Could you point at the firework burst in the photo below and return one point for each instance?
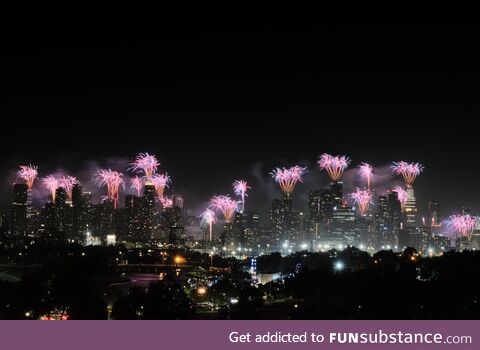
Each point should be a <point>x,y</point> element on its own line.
<point>240,188</point>
<point>226,205</point>
<point>462,225</point>
<point>288,178</point>
<point>160,181</point>
<point>208,218</point>
<point>366,171</point>
<point>67,182</point>
<point>402,195</point>
<point>112,180</point>
<point>363,199</point>
<point>136,185</point>
<point>409,171</point>
<point>334,165</point>
<point>28,173</point>
<point>51,183</point>
<point>145,163</point>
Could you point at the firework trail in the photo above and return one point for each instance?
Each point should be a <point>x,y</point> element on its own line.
<point>288,178</point>
<point>28,173</point>
<point>145,163</point>
<point>160,181</point>
<point>136,185</point>
<point>67,182</point>
<point>366,171</point>
<point>402,196</point>
<point>51,183</point>
<point>112,179</point>
<point>240,188</point>
<point>208,218</point>
<point>334,165</point>
<point>226,205</point>
<point>409,171</point>
<point>363,199</point>
<point>462,225</point>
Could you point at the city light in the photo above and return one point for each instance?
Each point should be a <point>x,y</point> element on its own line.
<point>339,265</point>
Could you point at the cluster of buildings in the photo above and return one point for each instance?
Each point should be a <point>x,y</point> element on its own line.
<point>329,222</point>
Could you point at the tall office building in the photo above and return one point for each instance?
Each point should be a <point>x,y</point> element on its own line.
<point>433,214</point>
<point>344,227</point>
<point>326,204</point>
<point>336,189</point>
<point>19,210</point>
<point>147,213</point>
<point>411,209</point>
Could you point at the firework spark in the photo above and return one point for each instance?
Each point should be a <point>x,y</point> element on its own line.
<point>363,199</point>
<point>208,218</point>
<point>288,178</point>
<point>146,163</point>
<point>51,183</point>
<point>136,185</point>
<point>169,202</point>
<point>334,165</point>
<point>67,182</point>
<point>366,171</point>
<point>160,181</point>
<point>226,205</point>
<point>112,179</point>
<point>28,173</point>
<point>240,188</point>
<point>409,171</point>
<point>402,195</point>
<point>462,225</point>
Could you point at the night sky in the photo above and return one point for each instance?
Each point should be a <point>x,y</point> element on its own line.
<point>216,107</point>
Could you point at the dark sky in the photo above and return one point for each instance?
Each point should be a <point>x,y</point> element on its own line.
<point>219,106</point>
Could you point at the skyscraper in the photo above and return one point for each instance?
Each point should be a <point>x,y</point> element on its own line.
<point>433,214</point>
<point>19,209</point>
<point>336,189</point>
<point>411,209</point>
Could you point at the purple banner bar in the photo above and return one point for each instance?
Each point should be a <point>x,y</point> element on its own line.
<point>213,335</point>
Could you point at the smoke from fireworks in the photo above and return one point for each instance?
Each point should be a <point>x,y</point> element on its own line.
<point>208,218</point>
<point>288,178</point>
<point>363,199</point>
<point>334,165</point>
<point>366,171</point>
<point>240,188</point>
<point>462,225</point>
<point>136,185</point>
<point>409,171</point>
<point>51,183</point>
<point>67,182</point>
<point>112,179</point>
<point>28,173</point>
<point>226,205</point>
<point>146,163</point>
<point>160,181</point>
<point>402,195</point>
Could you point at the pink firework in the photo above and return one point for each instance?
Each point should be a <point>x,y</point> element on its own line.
<point>28,173</point>
<point>363,199</point>
<point>51,183</point>
<point>240,188</point>
<point>146,163</point>
<point>112,179</point>
<point>226,205</point>
<point>334,165</point>
<point>167,202</point>
<point>208,218</point>
<point>402,195</point>
<point>462,225</point>
<point>409,171</point>
<point>288,178</point>
<point>67,182</point>
<point>366,171</point>
<point>136,185</point>
<point>160,181</point>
